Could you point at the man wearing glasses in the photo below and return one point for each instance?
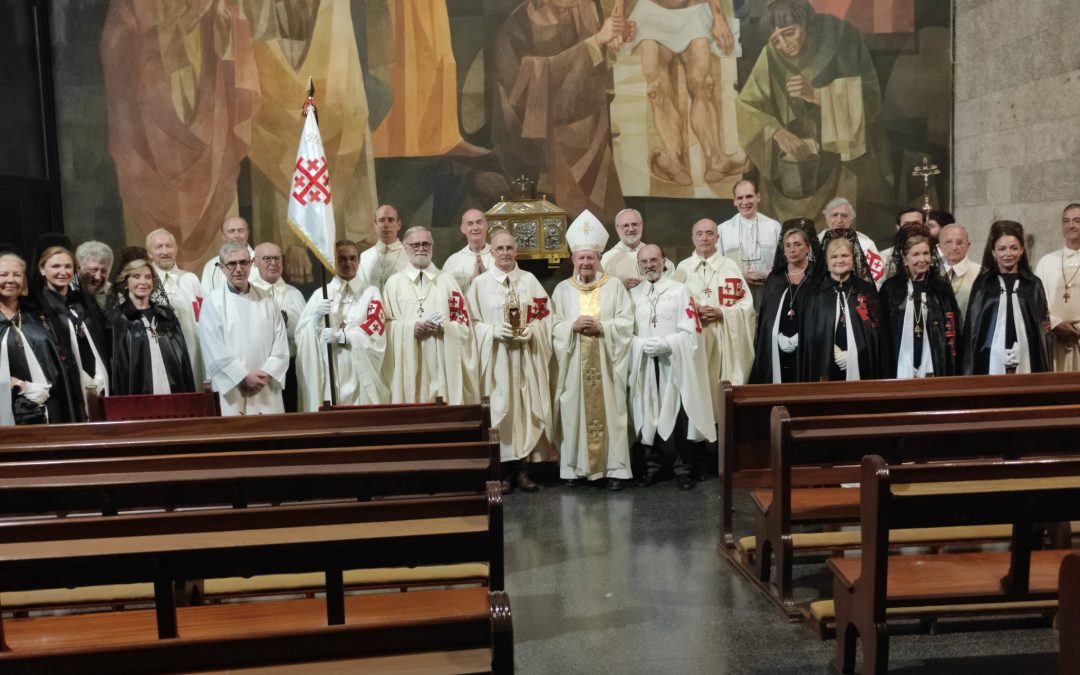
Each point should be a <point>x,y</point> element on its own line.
<point>243,338</point>
<point>430,331</point>
<point>290,302</point>
<point>233,229</point>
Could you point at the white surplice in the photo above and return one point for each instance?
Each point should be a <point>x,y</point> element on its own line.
<point>515,374</point>
<point>186,298</point>
<point>590,416</point>
<point>380,262</point>
<point>621,261</point>
<point>729,344</point>
<point>666,310</point>
<point>356,308</point>
<point>1056,270</point>
<point>462,264</point>
<point>444,365</point>
<point>212,277</point>
<point>240,333</point>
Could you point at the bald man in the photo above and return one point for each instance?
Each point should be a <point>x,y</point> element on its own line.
<point>475,259</point>
<point>387,256</point>
<point>184,292</point>
<point>289,300</point>
<point>233,229</point>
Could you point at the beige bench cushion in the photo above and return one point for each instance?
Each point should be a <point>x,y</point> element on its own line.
<point>923,535</point>
<point>825,610</point>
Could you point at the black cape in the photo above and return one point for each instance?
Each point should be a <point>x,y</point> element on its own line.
<point>942,321</point>
<point>982,318</point>
<point>132,372</point>
<point>37,331</point>
<point>817,320</point>
<point>59,309</point>
<point>772,296</point>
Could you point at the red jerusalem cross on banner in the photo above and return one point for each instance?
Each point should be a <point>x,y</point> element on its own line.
<point>311,181</point>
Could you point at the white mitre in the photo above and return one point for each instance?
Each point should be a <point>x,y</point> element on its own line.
<point>586,233</point>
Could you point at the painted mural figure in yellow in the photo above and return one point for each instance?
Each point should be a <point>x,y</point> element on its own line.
<point>423,119</point>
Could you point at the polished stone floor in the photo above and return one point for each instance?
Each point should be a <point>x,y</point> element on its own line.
<point>631,582</point>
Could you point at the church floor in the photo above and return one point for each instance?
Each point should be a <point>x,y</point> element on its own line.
<point>631,582</point>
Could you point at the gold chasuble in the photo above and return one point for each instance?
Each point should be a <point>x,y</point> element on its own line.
<point>589,303</point>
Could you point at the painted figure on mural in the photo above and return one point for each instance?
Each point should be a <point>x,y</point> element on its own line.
<point>810,114</point>
<point>551,121</point>
<point>685,35</point>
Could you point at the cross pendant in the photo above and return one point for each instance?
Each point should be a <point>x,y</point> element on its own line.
<point>1066,295</point>
<point>654,322</point>
<point>420,309</point>
<point>153,335</point>
<point>342,325</point>
<point>918,332</point>
<point>708,292</point>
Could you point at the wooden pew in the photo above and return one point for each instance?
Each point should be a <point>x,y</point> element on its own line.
<point>743,414</point>
<point>204,403</point>
<point>1068,615</point>
<point>813,456</point>
<point>370,426</point>
<point>162,548</point>
<point>1024,494</point>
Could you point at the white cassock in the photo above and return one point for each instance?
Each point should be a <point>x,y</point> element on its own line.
<point>590,417</point>
<point>621,261</point>
<point>290,300</point>
<point>239,333</point>
<point>962,277</point>
<point>213,279</point>
<point>875,261</point>
<point>462,264</point>
<point>729,344</point>
<point>752,243</point>
<point>356,308</point>
<point>1060,275</point>
<point>666,310</point>
<point>446,365</point>
<point>380,262</point>
<point>186,299</point>
<point>515,374</point>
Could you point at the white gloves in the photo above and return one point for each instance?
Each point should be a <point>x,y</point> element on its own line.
<point>839,357</point>
<point>787,344</point>
<point>332,336</point>
<point>437,319</point>
<point>525,335</point>
<point>322,309</point>
<point>656,347</point>
<point>1012,357</point>
<point>504,332</point>
<point>99,382</point>
<point>38,393</point>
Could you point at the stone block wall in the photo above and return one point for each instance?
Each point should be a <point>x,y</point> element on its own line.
<point>1017,117</point>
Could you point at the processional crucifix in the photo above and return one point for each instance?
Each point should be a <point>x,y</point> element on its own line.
<point>925,170</point>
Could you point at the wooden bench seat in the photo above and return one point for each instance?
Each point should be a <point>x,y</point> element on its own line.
<point>1026,494</point>
<point>822,613</point>
<point>812,457</point>
<point>254,633</point>
<point>743,415</point>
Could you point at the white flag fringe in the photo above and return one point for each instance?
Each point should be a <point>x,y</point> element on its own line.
<point>311,215</point>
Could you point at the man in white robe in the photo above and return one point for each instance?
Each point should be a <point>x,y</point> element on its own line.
<point>185,294</point>
<point>960,270</point>
<point>594,324</point>
<point>290,302</point>
<point>357,338</point>
<point>243,339</point>
<point>431,341</point>
<point>476,258</point>
<point>724,306</point>
<point>387,256</point>
<point>514,364</point>
<point>1058,272</point>
<point>749,238</point>
<point>904,218</point>
<point>620,261</point>
<point>840,214</point>
<point>670,401</point>
<point>234,229</point>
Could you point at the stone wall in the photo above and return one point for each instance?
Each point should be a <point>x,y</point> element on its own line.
<point>1017,117</point>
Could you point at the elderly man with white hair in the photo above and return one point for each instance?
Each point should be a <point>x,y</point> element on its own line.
<point>94,260</point>
<point>184,292</point>
<point>957,267</point>
<point>620,261</point>
<point>840,215</point>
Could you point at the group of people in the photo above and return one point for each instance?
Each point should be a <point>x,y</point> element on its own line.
<point>630,350</point>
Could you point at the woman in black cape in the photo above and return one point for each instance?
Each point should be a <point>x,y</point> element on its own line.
<point>795,265</point>
<point>920,309</point>
<point>149,352</point>
<point>1017,339</point>
<point>841,332</point>
<point>33,391</point>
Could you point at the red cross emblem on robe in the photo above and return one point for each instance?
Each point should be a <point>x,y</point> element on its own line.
<point>537,310</point>
<point>458,311</point>
<point>876,265</point>
<point>691,311</point>
<point>374,323</point>
<point>731,291</point>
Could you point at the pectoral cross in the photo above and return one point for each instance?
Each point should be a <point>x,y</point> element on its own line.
<point>1066,295</point>
<point>708,293</point>
<point>918,332</point>
<point>653,321</point>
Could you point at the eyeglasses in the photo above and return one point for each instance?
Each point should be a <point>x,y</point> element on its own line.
<point>268,259</point>
<point>231,266</point>
<point>423,245</point>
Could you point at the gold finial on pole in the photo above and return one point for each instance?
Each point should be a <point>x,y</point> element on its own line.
<point>925,170</point>
<point>310,88</point>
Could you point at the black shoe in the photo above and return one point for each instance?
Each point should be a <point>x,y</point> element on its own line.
<point>685,482</point>
<point>648,480</point>
<point>507,487</point>
<point>615,484</point>
<point>525,483</point>
<point>700,474</point>
<point>573,482</point>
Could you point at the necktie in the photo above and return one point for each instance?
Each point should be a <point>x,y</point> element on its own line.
<point>952,275</point>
